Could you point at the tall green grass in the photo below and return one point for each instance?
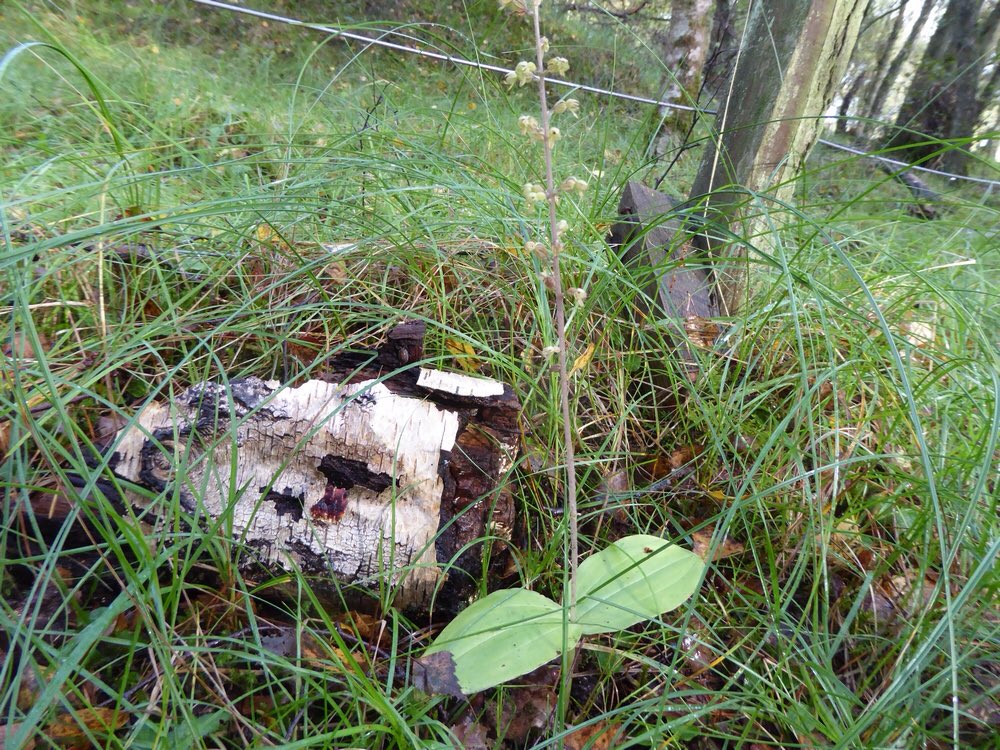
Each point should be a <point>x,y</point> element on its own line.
<point>167,218</point>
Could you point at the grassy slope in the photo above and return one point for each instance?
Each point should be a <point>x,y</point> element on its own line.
<point>845,431</point>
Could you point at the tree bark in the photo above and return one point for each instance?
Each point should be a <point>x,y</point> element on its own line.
<point>723,49</point>
<point>943,100</point>
<point>990,91</point>
<point>383,479</point>
<point>683,50</point>
<point>876,106</point>
<point>844,126</point>
<point>885,54</point>
<point>793,63</point>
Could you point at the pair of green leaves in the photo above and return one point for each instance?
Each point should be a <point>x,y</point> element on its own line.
<point>511,632</point>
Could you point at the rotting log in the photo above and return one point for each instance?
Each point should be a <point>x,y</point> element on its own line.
<point>385,475</point>
<point>658,245</point>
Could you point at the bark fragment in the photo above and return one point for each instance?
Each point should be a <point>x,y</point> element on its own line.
<point>381,477</point>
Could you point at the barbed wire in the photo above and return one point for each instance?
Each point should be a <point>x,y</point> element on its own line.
<point>379,41</point>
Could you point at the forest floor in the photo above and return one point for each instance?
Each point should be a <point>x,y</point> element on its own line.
<point>172,181</point>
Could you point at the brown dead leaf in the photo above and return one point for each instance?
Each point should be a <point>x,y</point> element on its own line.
<point>107,428</point>
<point>530,709</point>
<point>615,483</point>
<point>366,627</point>
<point>471,734</point>
<point>699,660</point>
<point>316,653</point>
<point>51,503</point>
<point>336,272</point>
<point>268,235</point>
<point>584,359</point>
<point>597,736</point>
<point>681,458</point>
<point>702,546</point>
<point>71,730</point>
<point>702,332</point>
<point>910,591</point>
<point>465,355</point>
<point>435,675</point>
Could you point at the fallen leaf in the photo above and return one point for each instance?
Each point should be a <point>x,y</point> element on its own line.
<point>107,428</point>
<point>597,736</point>
<point>434,674</point>
<point>72,730</point>
<point>470,733</point>
<point>584,359</point>
<point>682,458</point>
<point>530,709</point>
<point>464,354</point>
<point>366,627</point>
<point>702,546</point>
<point>699,659</point>
<point>910,591</point>
<point>702,332</point>
<point>335,272</point>
<point>613,484</point>
<point>264,232</point>
<point>918,333</point>
<point>19,346</point>
<point>290,644</point>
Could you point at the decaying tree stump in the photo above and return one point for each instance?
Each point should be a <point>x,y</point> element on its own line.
<point>384,474</point>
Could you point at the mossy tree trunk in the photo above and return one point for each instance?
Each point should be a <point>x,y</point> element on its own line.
<point>943,100</point>
<point>683,51</point>
<point>890,76</point>
<point>790,67</point>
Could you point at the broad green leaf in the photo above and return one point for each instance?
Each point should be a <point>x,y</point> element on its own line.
<point>504,635</point>
<point>637,578</point>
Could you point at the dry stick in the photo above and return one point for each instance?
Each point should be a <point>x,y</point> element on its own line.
<point>560,299</point>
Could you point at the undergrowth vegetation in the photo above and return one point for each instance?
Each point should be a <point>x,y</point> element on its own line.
<point>185,197</point>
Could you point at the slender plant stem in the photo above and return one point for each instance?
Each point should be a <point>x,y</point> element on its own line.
<point>560,304</point>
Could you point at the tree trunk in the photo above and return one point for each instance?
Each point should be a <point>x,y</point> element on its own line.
<point>858,73</point>
<point>723,49</point>
<point>386,479</point>
<point>885,54</point>
<point>876,106</point>
<point>844,127</point>
<point>988,40</point>
<point>991,90</point>
<point>785,78</point>
<point>683,50</point>
<point>942,102</point>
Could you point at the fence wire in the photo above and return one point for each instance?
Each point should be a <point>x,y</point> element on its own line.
<point>381,41</point>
